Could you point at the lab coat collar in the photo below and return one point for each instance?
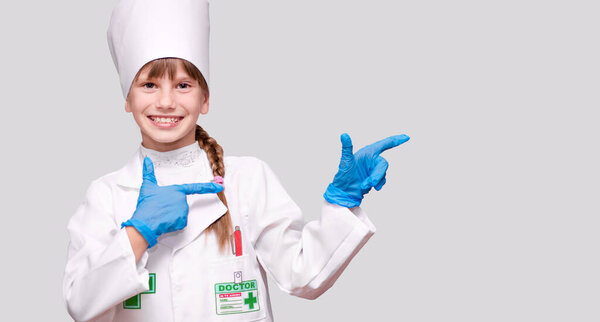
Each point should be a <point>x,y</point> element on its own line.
<point>204,209</point>
<point>130,176</point>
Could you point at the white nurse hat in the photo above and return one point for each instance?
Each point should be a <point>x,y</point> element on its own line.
<point>144,30</point>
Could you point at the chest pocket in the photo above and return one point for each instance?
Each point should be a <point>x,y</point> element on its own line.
<point>237,289</point>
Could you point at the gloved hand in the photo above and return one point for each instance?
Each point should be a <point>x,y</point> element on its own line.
<point>361,171</point>
<point>163,209</point>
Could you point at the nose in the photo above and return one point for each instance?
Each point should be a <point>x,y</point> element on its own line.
<point>166,99</point>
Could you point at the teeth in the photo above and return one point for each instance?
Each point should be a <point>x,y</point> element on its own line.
<point>165,119</point>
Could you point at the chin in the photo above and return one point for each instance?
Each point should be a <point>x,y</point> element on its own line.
<point>170,136</point>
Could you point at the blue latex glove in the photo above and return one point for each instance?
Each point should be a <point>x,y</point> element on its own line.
<point>163,209</point>
<point>361,171</point>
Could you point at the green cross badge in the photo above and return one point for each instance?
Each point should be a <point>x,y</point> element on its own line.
<point>135,302</point>
<point>250,300</point>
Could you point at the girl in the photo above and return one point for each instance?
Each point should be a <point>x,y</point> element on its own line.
<point>157,240</point>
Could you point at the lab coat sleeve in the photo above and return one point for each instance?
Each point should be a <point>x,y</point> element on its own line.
<point>101,270</point>
<point>304,259</point>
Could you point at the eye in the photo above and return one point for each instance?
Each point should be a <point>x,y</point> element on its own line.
<point>148,85</point>
<point>185,85</point>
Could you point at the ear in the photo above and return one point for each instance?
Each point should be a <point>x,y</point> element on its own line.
<point>127,108</point>
<point>204,107</point>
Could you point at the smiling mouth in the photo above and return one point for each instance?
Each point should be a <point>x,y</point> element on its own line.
<point>165,122</point>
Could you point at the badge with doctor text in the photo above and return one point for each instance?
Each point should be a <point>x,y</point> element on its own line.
<point>235,298</point>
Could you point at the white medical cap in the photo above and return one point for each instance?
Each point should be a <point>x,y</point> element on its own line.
<point>143,30</point>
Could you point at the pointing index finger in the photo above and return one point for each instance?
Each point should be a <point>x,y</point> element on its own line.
<point>199,188</point>
<point>390,142</point>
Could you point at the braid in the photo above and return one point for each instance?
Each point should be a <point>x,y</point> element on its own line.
<point>222,226</point>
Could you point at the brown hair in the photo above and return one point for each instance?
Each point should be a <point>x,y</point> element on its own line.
<point>222,227</point>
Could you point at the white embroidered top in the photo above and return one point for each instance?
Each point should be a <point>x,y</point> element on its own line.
<point>178,166</point>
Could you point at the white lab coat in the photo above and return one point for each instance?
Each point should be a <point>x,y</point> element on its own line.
<point>303,259</point>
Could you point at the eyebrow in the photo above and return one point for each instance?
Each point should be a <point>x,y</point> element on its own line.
<point>145,79</point>
<point>184,78</point>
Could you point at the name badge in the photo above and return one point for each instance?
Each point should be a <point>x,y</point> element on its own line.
<point>236,298</point>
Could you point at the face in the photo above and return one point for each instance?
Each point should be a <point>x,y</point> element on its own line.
<point>166,110</point>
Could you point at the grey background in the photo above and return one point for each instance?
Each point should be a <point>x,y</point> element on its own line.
<point>490,212</point>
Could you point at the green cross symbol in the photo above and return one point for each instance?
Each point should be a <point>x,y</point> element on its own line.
<point>250,300</point>
<point>135,302</point>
